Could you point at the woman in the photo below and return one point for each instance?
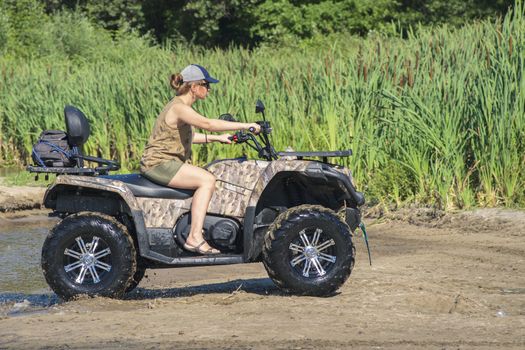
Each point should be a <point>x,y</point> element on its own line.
<point>167,156</point>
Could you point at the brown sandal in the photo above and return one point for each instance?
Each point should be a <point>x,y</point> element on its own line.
<point>197,249</point>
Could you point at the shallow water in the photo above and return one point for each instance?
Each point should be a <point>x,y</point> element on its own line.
<point>22,285</point>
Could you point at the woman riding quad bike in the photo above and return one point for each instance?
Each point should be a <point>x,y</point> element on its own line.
<point>294,211</point>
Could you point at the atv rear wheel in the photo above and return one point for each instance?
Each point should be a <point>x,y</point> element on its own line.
<point>89,253</point>
<point>308,250</point>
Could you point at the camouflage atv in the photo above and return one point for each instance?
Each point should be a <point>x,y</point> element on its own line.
<point>294,214</point>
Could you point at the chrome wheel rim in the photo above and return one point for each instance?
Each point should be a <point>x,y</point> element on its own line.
<point>312,253</point>
<point>87,262</point>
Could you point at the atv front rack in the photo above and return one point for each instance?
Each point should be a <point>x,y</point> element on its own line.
<point>323,154</point>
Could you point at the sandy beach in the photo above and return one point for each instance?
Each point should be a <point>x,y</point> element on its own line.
<point>452,281</point>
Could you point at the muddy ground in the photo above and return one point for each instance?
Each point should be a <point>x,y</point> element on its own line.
<point>18,198</point>
<point>437,282</point>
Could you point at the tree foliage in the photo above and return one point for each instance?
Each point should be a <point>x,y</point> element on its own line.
<point>111,14</point>
<point>26,31</point>
<point>226,22</point>
<point>305,19</point>
<point>249,22</point>
<point>454,12</point>
<point>21,22</point>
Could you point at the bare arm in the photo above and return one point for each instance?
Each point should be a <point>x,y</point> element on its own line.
<point>202,138</point>
<point>186,114</point>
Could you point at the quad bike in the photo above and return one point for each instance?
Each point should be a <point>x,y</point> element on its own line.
<point>295,214</point>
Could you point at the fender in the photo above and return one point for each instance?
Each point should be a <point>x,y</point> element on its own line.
<point>97,183</point>
<point>113,186</point>
<point>270,171</point>
<point>323,170</point>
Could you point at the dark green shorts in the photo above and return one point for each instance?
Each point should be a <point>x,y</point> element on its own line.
<point>163,173</point>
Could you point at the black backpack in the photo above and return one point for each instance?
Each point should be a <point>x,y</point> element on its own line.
<point>52,150</point>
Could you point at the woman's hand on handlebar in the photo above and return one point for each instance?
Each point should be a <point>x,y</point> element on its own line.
<point>254,128</point>
<point>224,138</point>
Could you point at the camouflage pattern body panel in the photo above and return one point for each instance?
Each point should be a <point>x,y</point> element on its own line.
<point>239,185</point>
<point>240,173</point>
<point>162,213</point>
<point>271,170</point>
<point>227,200</point>
<point>235,182</point>
<point>285,164</point>
<point>157,212</point>
<point>98,183</point>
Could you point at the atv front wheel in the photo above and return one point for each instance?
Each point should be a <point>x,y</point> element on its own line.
<point>89,253</point>
<point>137,277</point>
<point>308,250</point>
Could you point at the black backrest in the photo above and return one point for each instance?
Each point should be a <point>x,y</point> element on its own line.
<point>77,126</point>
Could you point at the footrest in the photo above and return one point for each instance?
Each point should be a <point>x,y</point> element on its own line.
<point>218,259</point>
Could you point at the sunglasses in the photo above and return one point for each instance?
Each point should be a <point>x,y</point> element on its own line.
<point>205,84</point>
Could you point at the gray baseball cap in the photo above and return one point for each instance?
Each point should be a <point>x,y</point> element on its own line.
<point>194,72</point>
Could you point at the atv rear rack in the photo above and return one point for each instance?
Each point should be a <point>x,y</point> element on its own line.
<point>109,165</point>
<point>68,170</point>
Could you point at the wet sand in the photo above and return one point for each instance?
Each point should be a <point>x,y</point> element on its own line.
<point>448,282</point>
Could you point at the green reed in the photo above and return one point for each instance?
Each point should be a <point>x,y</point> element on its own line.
<point>438,118</point>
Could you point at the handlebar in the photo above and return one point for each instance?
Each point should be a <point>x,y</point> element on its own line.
<point>264,150</point>
<point>263,146</point>
<point>239,137</point>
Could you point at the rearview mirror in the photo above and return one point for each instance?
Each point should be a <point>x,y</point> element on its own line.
<point>259,107</point>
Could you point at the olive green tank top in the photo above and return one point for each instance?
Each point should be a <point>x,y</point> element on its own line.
<point>167,143</point>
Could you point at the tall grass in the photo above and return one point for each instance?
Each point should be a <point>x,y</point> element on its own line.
<point>438,118</point>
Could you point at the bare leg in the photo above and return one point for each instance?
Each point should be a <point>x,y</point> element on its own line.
<point>193,177</point>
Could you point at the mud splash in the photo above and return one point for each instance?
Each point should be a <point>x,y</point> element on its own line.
<point>23,289</point>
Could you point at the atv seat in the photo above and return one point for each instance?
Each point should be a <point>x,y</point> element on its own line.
<point>142,187</point>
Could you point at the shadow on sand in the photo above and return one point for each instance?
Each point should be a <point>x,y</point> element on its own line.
<point>260,286</point>
<point>21,303</point>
